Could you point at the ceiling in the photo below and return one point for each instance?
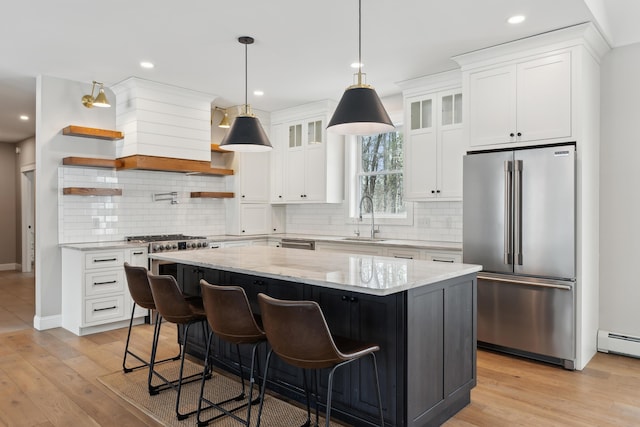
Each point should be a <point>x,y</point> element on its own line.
<point>302,53</point>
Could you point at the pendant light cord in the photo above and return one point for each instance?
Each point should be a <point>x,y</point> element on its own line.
<point>359,42</point>
<point>246,78</point>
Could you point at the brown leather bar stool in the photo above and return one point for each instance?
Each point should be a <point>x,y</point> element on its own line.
<point>230,318</point>
<point>299,335</point>
<point>140,291</point>
<point>174,307</point>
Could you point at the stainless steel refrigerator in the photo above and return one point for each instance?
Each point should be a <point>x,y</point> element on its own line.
<point>519,224</point>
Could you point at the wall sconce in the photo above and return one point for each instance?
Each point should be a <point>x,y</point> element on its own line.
<point>224,123</point>
<point>99,101</point>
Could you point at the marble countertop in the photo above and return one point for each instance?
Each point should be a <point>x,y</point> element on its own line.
<point>405,243</point>
<point>117,244</point>
<point>375,275</point>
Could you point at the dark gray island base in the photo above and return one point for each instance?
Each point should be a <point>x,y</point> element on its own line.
<point>427,336</point>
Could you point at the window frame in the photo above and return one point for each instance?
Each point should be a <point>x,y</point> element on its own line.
<point>354,164</point>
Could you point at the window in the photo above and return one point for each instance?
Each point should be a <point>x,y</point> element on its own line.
<point>379,175</point>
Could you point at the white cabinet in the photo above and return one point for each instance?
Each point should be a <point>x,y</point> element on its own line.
<point>522,101</point>
<point>95,295</point>
<point>253,173</point>
<point>248,219</point>
<point>434,143</point>
<point>277,164</point>
<point>312,160</point>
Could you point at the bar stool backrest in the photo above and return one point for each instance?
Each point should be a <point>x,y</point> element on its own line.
<point>139,287</point>
<point>229,314</point>
<point>169,300</point>
<point>298,333</point>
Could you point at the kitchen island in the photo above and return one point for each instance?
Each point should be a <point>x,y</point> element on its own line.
<point>422,314</point>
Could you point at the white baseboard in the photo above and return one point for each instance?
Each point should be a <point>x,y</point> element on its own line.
<point>10,266</point>
<point>47,322</point>
<point>611,342</point>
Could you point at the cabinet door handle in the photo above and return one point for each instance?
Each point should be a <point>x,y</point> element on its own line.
<point>105,260</point>
<point>353,299</point>
<point>279,197</point>
<point>519,133</point>
<point>433,191</point>
<point>243,196</point>
<point>111,282</point>
<point>105,308</point>
<point>438,191</point>
<point>512,134</point>
<point>344,298</point>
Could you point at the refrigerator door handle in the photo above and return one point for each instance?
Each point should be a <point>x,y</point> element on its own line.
<point>518,212</point>
<point>508,204</point>
<point>540,284</point>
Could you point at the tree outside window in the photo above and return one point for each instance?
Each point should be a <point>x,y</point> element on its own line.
<point>380,173</point>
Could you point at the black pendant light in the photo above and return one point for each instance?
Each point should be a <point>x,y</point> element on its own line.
<point>246,132</point>
<point>360,111</point>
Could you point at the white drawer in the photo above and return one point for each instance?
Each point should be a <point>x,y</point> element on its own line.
<point>101,282</point>
<point>103,259</point>
<point>105,309</point>
<point>444,257</point>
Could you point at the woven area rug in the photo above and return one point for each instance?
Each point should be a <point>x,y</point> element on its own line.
<point>132,387</point>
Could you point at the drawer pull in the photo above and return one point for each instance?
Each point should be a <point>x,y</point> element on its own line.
<point>138,253</point>
<point>442,260</point>
<point>105,260</point>
<point>111,282</point>
<point>403,256</point>
<point>105,308</point>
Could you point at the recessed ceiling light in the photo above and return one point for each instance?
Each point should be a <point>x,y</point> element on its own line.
<point>356,65</point>
<point>146,64</point>
<point>258,92</point>
<point>24,117</point>
<point>516,19</point>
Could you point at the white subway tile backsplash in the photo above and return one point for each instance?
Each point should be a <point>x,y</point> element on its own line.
<point>89,219</point>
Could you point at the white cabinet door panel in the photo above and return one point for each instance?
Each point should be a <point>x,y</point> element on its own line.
<point>544,98</point>
<point>492,106</point>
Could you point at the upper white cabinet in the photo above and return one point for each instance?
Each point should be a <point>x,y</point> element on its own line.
<point>312,160</point>
<point>253,175</point>
<point>523,101</point>
<point>434,141</point>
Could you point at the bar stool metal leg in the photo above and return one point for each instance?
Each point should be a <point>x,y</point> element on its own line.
<point>127,352</point>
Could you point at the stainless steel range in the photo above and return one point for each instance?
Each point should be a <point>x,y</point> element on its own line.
<point>172,242</point>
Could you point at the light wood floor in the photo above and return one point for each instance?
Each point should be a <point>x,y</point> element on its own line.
<point>48,378</point>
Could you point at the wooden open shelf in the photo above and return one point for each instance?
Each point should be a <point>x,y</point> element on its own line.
<point>110,135</point>
<point>91,162</point>
<point>170,164</point>
<point>217,149</point>
<point>212,194</point>
<point>84,191</point>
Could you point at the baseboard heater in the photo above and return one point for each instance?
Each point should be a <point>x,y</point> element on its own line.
<point>610,342</point>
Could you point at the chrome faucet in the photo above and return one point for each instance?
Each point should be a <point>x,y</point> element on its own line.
<point>373,227</point>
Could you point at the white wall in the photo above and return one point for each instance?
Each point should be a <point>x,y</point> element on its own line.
<point>57,106</point>
<point>619,192</point>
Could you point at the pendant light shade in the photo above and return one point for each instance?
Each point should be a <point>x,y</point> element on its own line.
<point>246,132</point>
<point>360,111</point>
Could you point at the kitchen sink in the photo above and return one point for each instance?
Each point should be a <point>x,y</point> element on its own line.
<point>364,239</point>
